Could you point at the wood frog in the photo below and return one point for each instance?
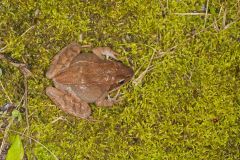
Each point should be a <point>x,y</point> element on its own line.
<point>83,78</point>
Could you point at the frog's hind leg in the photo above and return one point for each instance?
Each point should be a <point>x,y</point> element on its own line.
<point>63,59</point>
<point>68,103</point>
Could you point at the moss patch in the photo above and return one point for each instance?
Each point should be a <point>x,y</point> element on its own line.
<point>186,107</point>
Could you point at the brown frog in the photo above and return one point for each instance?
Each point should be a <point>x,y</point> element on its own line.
<point>82,78</point>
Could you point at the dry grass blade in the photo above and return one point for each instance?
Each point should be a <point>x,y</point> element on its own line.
<point>30,28</point>
<point>9,124</point>
<point>3,49</point>
<point>230,24</point>
<point>206,14</point>
<point>25,104</point>
<point>149,67</point>
<point>5,92</point>
<point>5,136</point>
<point>59,118</point>
<point>215,25</point>
<point>86,46</point>
<point>191,14</point>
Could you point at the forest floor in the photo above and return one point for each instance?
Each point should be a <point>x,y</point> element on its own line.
<point>182,103</point>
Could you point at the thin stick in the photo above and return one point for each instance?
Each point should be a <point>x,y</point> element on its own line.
<point>228,25</point>
<point>10,123</point>
<point>5,135</point>
<point>30,28</point>
<point>59,118</point>
<point>191,14</point>
<point>25,105</point>
<point>238,12</point>
<point>5,92</point>
<point>2,49</point>
<point>206,14</point>
<point>220,11</point>
<point>224,18</point>
<point>149,67</point>
<point>23,67</point>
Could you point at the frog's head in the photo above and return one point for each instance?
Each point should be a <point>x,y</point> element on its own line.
<point>123,74</point>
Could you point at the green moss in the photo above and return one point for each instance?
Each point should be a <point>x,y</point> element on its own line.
<point>186,107</point>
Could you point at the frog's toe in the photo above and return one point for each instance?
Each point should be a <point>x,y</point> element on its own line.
<point>105,51</point>
<point>106,102</point>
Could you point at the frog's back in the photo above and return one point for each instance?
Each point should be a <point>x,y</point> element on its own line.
<point>86,57</point>
<point>86,68</point>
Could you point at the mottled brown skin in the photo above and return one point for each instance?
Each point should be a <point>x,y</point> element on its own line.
<point>82,78</point>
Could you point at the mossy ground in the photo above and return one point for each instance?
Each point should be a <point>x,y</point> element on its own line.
<point>187,106</point>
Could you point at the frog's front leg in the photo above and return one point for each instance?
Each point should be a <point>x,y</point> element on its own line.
<point>69,103</point>
<point>104,51</point>
<point>63,59</point>
<point>106,102</point>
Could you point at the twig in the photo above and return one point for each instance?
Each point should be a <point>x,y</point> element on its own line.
<point>5,135</point>
<point>86,46</point>
<point>23,67</point>
<point>59,118</point>
<point>206,14</point>
<point>27,31</point>
<point>224,18</point>
<point>5,92</point>
<point>25,105</point>
<point>207,27</point>
<point>238,3</point>
<point>215,26</point>
<point>30,28</point>
<point>149,67</point>
<point>197,33</point>
<point>220,11</point>
<point>191,14</point>
<point>228,25</point>
<point>2,49</point>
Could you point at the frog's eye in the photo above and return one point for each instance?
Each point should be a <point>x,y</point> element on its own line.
<point>122,81</point>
